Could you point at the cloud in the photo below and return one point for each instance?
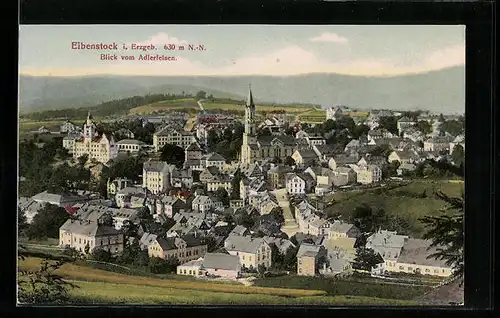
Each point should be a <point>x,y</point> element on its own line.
<point>445,57</point>
<point>329,37</point>
<point>290,60</point>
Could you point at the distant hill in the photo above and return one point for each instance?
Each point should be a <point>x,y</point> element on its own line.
<point>438,91</point>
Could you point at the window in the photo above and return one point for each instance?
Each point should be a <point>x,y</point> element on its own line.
<point>300,262</point>
<point>243,257</point>
<point>427,270</point>
<point>401,267</point>
<point>410,268</point>
<point>190,272</point>
<point>300,270</point>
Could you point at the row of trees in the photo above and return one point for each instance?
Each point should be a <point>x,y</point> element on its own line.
<point>110,108</point>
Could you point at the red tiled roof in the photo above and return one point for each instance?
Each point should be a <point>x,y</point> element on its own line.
<point>71,209</point>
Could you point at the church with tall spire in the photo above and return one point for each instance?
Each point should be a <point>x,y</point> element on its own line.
<point>101,149</point>
<point>259,148</point>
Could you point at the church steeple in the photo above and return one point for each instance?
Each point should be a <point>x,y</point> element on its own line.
<point>89,118</point>
<point>250,97</point>
<point>249,114</point>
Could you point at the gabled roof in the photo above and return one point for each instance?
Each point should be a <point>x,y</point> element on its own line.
<point>193,147</point>
<point>215,157</point>
<point>130,142</point>
<point>155,166</point>
<point>221,261</point>
<point>243,243</point>
<point>416,251</point>
<point>307,249</point>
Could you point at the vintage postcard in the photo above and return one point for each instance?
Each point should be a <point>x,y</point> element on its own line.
<point>241,164</point>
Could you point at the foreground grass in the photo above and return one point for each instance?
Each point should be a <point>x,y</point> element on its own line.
<point>109,293</point>
<point>341,287</point>
<point>76,272</point>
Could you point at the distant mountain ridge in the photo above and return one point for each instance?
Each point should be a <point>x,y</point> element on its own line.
<point>440,91</point>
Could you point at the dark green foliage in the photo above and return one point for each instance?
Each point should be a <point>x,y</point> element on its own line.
<point>101,255</point>
<point>114,107</point>
<point>201,95</point>
<point>390,123</point>
<point>129,167</point>
<point>447,233</point>
<point>173,155</point>
<point>277,214</point>
<point>424,126</point>
<point>453,127</point>
<point>289,161</point>
<point>360,130</point>
<point>46,222</point>
<point>245,220</point>
<point>458,155</point>
<point>235,184</point>
<point>45,287</point>
<point>290,258</point>
<point>158,265</point>
<point>222,194</point>
<point>22,224</point>
<point>228,144</point>
<point>366,259</point>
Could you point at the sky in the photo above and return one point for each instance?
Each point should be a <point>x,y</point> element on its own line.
<point>278,50</point>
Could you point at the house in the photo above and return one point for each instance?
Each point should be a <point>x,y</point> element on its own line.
<point>208,174</point>
<point>131,197</point>
<point>236,203</point>
<point>130,145</point>
<point>309,259</point>
<point>404,123</point>
<point>121,215</point>
<point>315,141</point>
<point>405,168</point>
<point>299,183</point>
<point>413,259</point>
<point>170,136</point>
<point>146,240</point>
<point>61,200</point>
<point>252,171</point>
<point>87,235</point>
<point>215,160</point>
<point>343,176</point>
<point>379,133</point>
<point>317,226</point>
<point>221,265</point>
<point>369,174</point>
<point>252,252</point>
<point>403,156</point>
<point>219,181</point>
<point>43,130</point>
<point>155,176</point>
<point>340,229</point>
<point>185,249</point>
<point>181,178</point>
<point>337,262</point>
<point>322,176</point>
<point>305,157</point>
<point>127,133</point>
<point>193,152</point>
<point>191,268</point>
<point>281,244</point>
<point>276,175</point>
<point>202,203</point>
<point>438,143</point>
<point>171,205</point>
<point>342,160</point>
<point>459,140</point>
<point>29,207</point>
<point>239,230</point>
<point>67,127</point>
<point>334,113</point>
<point>388,244</point>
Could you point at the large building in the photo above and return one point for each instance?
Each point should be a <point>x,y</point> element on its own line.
<point>155,176</point>
<point>171,136</point>
<point>100,149</point>
<point>265,147</point>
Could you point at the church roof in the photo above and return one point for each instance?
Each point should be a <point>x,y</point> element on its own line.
<point>250,97</point>
<point>269,140</point>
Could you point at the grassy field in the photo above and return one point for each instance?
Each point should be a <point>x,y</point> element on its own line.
<point>366,287</point>
<point>100,287</point>
<point>228,105</point>
<point>398,202</point>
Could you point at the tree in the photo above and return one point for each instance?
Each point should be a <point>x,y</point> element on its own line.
<point>447,233</point>
<point>235,184</point>
<point>43,286</point>
<point>82,160</point>
<point>453,127</point>
<point>22,223</point>
<point>129,229</point>
<point>201,95</point>
<point>289,161</point>
<point>107,219</point>
<point>362,218</point>
<point>246,220</point>
<point>366,259</point>
<point>158,265</point>
<point>359,131</point>
<point>277,214</point>
<point>458,155</point>
<point>390,123</point>
<point>290,258</point>
<point>46,222</point>
<point>101,255</point>
<point>222,194</point>
<point>441,118</point>
<point>173,155</point>
<point>424,126</point>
